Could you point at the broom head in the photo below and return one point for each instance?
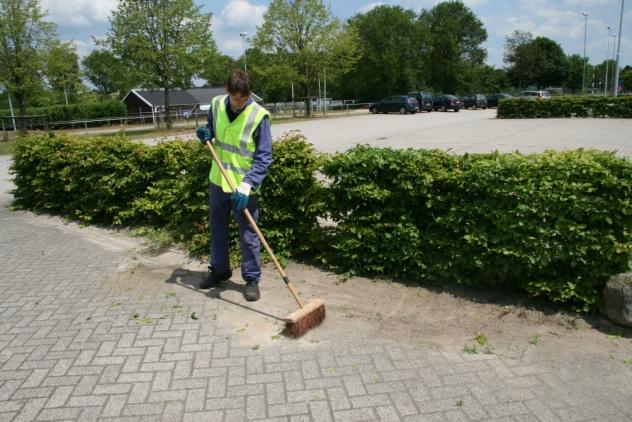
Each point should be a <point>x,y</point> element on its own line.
<point>304,319</point>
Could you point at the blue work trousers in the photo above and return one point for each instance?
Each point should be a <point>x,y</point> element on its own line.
<point>220,209</point>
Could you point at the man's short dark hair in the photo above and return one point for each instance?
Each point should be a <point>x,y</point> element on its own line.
<point>239,81</point>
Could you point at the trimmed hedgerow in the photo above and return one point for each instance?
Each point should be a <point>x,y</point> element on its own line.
<point>80,111</point>
<point>523,108</point>
<point>116,181</point>
<point>555,224</point>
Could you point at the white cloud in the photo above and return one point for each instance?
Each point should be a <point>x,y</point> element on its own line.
<point>370,6</point>
<point>237,16</point>
<point>79,13</point>
<point>238,13</point>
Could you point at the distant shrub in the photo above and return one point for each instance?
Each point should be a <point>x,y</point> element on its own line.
<point>584,106</point>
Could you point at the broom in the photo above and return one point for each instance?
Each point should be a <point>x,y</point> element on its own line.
<point>307,316</point>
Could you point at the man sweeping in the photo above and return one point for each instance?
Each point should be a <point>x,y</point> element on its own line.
<point>243,144</point>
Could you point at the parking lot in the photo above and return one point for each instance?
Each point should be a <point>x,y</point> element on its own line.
<point>465,131</point>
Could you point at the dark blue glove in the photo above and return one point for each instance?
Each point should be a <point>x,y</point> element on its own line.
<point>203,134</point>
<point>240,196</point>
<point>239,200</point>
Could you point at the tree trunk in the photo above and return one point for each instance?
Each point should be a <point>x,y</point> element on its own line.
<point>167,114</point>
<point>22,106</point>
<point>308,111</point>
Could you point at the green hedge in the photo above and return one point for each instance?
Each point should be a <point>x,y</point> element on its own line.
<point>81,111</point>
<point>556,224</point>
<point>116,181</point>
<point>517,108</point>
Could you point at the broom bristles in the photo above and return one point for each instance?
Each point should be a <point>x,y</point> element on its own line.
<point>305,319</point>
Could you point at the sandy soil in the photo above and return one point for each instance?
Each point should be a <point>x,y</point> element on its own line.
<point>447,319</point>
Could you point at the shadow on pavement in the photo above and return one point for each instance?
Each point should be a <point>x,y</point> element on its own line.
<point>192,279</point>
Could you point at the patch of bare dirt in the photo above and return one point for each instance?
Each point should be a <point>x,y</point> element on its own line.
<point>454,320</point>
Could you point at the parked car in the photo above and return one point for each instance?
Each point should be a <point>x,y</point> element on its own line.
<point>424,100</point>
<point>396,103</point>
<point>446,102</point>
<point>474,101</point>
<point>494,99</point>
<point>539,95</point>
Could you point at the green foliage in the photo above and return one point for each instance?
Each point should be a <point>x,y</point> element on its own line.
<point>575,74</point>
<point>536,61</point>
<point>115,181</point>
<point>291,199</point>
<point>164,42</point>
<point>216,68</point>
<point>321,41</point>
<point>555,225</point>
<point>91,180</point>
<point>391,44</point>
<point>586,106</point>
<point>24,36</point>
<point>88,111</point>
<point>62,71</point>
<point>456,38</point>
<point>107,73</point>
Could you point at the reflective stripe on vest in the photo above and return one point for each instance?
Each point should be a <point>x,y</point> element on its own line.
<point>234,141</point>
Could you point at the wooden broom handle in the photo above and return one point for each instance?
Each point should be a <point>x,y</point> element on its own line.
<point>253,224</point>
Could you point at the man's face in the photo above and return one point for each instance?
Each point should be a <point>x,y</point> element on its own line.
<point>237,101</point>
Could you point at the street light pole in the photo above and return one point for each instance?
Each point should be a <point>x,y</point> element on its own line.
<point>584,71</point>
<point>605,88</point>
<point>614,40</point>
<point>615,82</point>
<point>243,44</point>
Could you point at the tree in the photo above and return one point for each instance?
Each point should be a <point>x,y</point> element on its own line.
<point>485,78</point>
<point>107,72</point>
<point>540,62</point>
<point>519,66</point>
<point>626,77</point>
<point>166,41</point>
<point>575,69</point>
<point>304,36</point>
<point>390,53</point>
<point>456,36</point>
<point>24,36</point>
<point>62,69</point>
<point>215,69</point>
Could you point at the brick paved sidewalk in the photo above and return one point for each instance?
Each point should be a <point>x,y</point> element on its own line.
<point>82,339</point>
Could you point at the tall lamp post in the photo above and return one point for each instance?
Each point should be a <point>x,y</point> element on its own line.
<point>584,71</point>
<point>614,41</point>
<point>605,88</point>
<point>615,82</point>
<point>243,44</point>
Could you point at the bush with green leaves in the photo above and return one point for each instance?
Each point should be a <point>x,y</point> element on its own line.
<point>580,106</point>
<point>80,111</point>
<point>117,181</point>
<point>555,224</point>
<point>89,179</point>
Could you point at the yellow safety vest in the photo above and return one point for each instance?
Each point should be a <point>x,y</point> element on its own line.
<point>234,143</point>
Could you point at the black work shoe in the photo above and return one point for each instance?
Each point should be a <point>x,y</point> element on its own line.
<point>251,291</point>
<point>214,278</point>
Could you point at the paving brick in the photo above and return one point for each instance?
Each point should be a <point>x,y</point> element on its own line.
<point>203,416</point>
<point>366,414</point>
<point>67,353</point>
<point>287,409</point>
<point>142,409</point>
<point>114,405</point>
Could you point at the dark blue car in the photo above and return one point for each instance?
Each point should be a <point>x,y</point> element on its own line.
<point>396,104</point>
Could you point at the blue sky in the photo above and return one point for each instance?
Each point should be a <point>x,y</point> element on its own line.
<point>561,20</point>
